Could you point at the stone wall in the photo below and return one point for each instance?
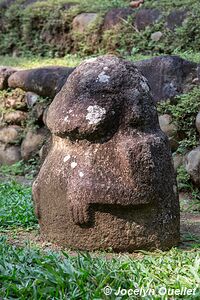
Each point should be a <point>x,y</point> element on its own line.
<point>55,29</point>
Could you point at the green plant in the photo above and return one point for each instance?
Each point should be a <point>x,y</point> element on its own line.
<point>16,208</point>
<point>31,274</point>
<point>27,169</point>
<point>184,111</point>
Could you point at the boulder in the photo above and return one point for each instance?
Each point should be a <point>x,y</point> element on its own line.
<point>82,21</point>
<point>170,129</point>
<point>176,18</point>
<point>168,76</point>
<point>198,122</point>
<point>32,143</point>
<point>45,82</point>
<point>16,117</point>
<point>9,154</point>
<point>156,36</point>
<point>116,16</point>
<point>38,111</point>
<point>146,17</point>
<point>108,180</point>
<point>193,165</point>
<point>5,73</point>
<point>31,98</point>
<point>10,134</point>
<point>178,160</point>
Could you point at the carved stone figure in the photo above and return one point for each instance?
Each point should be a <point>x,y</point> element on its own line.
<point>108,179</point>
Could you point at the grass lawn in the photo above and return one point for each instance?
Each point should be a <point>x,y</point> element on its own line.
<point>31,272</point>
<point>72,60</point>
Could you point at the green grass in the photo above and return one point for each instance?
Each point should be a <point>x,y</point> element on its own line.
<point>73,60</point>
<point>16,207</point>
<point>35,62</point>
<point>31,274</point>
<point>68,61</point>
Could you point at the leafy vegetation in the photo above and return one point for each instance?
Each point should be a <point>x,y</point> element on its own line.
<point>184,110</point>
<point>29,274</point>
<point>45,28</point>
<point>27,169</point>
<point>16,207</point>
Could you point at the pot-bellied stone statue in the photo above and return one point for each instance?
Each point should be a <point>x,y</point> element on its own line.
<point>108,180</point>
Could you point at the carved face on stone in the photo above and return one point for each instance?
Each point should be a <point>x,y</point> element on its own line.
<point>100,97</point>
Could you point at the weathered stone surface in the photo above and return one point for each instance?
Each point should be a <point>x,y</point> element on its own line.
<point>156,36</point>
<point>146,17</point>
<point>116,16</point>
<point>16,117</point>
<point>9,154</point>
<point>32,143</point>
<point>193,165</point>
<point>198,122</point>
<point>31,98</point>
<point>108,180</point>
<point>5,73</point>
<point>178,160</point>
<point>82,21</point>
<point>10,134</point>
<point>170,129</point>
<point>38,111</point>
<point>168,76</point>
<point>176,18</point>
<point>45,82</point>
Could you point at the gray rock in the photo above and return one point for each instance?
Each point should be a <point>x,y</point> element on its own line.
<point>45,82</point>
<point>32,143</point>
<point>38,111</point>
<point>178,160</point>
<point>5,73</point>
<point>176,18</point>
<point>82,21</point>
<point>198,122</point>
<point>156,36</point>
<point>10,134</point>
<point>170,130</point>
<point>9,154</point>
<point>146,17</point>
<point>31,98</point>
<point>168,76</point>
<point>193,165</point>
<point>116,16</point>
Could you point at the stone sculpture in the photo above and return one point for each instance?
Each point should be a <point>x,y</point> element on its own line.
<point>108,179</point>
